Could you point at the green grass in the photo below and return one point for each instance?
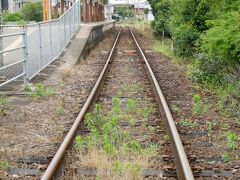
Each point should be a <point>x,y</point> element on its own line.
<point>106,138</point>
<point>130,90</point>
<point>211,126</point>
<point>3,102</point>
<point>104,128</point>
<point>226,157</point>
<point>4,165</point>
<point>232,140</point>
<point>59,110</point>
<point>175,108</point>
<point>186,123</point>
<point>38,90</point>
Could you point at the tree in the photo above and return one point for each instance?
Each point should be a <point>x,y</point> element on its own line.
<point>222,40</point>
<point>125,12</point>
<point>32,12</point>
<point>146,11</point>
<point>161,11</point>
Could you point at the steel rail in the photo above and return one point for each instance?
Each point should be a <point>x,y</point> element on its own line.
<point>54,164</point>
<point>184,170</point>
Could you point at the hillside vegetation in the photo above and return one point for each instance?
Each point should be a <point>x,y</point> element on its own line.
<point>206,34</point>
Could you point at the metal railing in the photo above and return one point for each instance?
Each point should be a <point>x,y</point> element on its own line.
<point>42,43</point>
<point>19,62</point>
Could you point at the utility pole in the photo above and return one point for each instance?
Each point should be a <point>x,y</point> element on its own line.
<point>62,6</point>
<point>47,10</point>
<point>50,9</point>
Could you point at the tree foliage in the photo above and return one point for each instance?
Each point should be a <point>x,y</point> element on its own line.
<point>125,11</point>
<point>208,33</point>
<point>208,29</point>
<point>161,11</point>
<point>222,39</point>
<point>32,12</point>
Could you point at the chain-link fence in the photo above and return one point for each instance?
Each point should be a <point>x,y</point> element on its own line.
<point>41,43</point>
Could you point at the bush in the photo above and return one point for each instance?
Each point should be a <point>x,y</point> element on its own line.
<point>125,11</point>
<point>222,39</point>
<point>161,11</point>
<point>209,71</point>
<point>8,17</point>
<point>32,12</point>
<point>184,39</point>
<point>146,11</point>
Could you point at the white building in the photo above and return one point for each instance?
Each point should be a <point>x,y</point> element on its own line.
<point>139,11</point>
<point>108,11</point>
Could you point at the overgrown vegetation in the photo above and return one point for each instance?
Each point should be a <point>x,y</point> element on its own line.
<point>125,11</point>
<point>206,33</point>
<point>32,12</point>
<point>38,90</point>
<point>8,17</point>
<point>232,145</point>
<point>108,148</point>
<point>29,12</point>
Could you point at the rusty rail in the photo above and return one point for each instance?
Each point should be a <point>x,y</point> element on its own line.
<point>184,170</point>
<point>53,166</point>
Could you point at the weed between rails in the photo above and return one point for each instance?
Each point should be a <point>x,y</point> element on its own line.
<point>111,150</point>
<point>4,165</point>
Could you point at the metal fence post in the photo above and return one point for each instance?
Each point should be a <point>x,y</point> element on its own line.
<point>50,33</point>
<point>59,41</point>
<point>74,19</point>
<point>40,46</point>
<point>65,36</point>
<point>70,22</point>
<point>79,13</point>
<point>25,63</point>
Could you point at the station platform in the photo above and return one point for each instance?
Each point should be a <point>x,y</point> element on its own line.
<point>88,33</point>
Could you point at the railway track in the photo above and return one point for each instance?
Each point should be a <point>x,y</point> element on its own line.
<point>202,142</point>
<point>144,141</point>
<point>127,88</point>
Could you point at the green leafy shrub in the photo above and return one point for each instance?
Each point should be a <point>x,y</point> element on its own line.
<point>184,39</point>
<point>232,139</point>
<point>161,11</point>
<point>207,33</point>
<point>8,17</point>
<point>125,12</point>
<point>32,11</point>
<point>197,105</point>
<point>146,11</point>
<point>221,40</point>
<point>38,90</point>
